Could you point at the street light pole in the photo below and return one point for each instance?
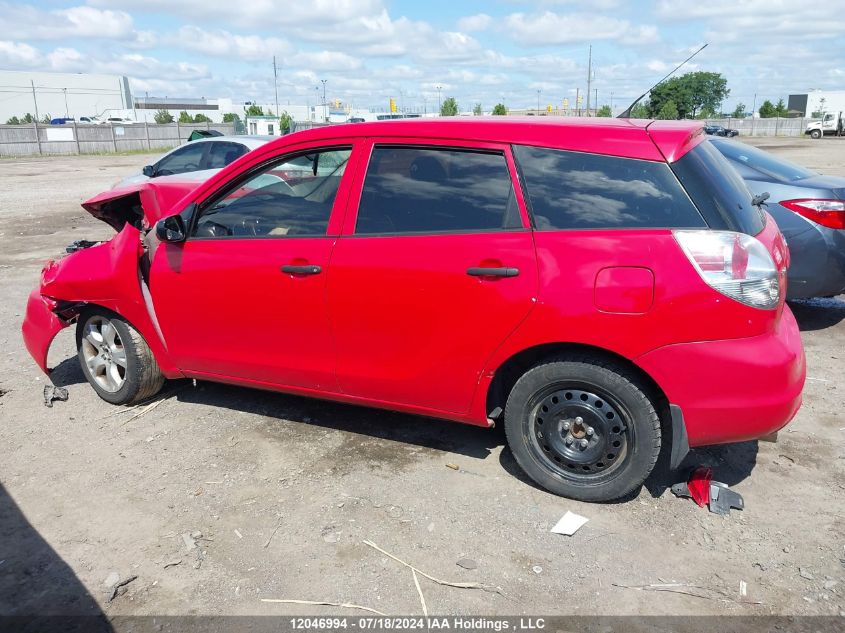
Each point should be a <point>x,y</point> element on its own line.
<point>439,104</point>
<point>538,102</point>
<point>67,116</point>
<point>325,115</point>
<point>276,85</point>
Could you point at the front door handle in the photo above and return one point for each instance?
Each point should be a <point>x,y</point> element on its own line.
<point>309,269</point>
<point>479,271</point>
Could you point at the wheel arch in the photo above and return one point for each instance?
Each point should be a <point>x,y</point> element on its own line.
<point>508,372</point>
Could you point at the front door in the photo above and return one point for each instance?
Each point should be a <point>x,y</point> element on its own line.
<point>244,296</point>
<point>433,274</point>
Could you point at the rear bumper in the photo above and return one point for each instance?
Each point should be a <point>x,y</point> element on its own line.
<point>733,390</point>
<point>40,327</point>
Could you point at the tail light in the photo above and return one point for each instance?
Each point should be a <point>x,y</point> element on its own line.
<point>735,264</point>
<point>829,213</point>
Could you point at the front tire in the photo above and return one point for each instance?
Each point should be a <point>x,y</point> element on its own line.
<point>816,134</point>
<point>115,358</point>
<point>583,427</point>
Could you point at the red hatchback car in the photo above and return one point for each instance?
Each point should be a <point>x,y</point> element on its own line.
<point>605,288</point>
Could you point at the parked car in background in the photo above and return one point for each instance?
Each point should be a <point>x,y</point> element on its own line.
<point>119,120</point>
<point>719,130</point>
<point>810,211</point>
<point>61,120</point>
<point>560,276</point>
<point>91,120</point>
<point>207,155</point>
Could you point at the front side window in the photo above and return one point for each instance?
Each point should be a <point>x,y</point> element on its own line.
<point>292,197</point>
<point>575,190</point>
<point>222,153</point>
<point>434,190</point>
<point>187,158</point>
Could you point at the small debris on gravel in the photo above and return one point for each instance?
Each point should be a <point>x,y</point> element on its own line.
<point>189,541</point>
<point>453,466</point>
<point>467,563</point>
<point>173,563</point>
<point>537,569</point>
<point>52,392</point>
<point>120,588</point>
<point>569,524</point>
<point>805,574</point>
<point>830,585</point>
<point>111,580</point>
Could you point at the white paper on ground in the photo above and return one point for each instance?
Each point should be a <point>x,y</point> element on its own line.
<point>569,523</point>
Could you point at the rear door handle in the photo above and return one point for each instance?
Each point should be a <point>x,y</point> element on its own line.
<point>302,270</point>
<point>492,272</point>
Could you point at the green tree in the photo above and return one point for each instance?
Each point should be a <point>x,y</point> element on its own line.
<point>780,108</point>
<point>184,117</point>
<point>28,118</point>
<point>767,110</point>
<point>233,118</point>
<point>641,111</point>
<point>162,117</point>
<point>285,122</point>
<point>691,93</point>
<point>499,109</point>
<point>449,107</point>
<point>476,110</point>
<point>739,111</point>
<point>47,118</point>
<point>604,111</point>
<point>669,111</point>
<point>254,110</point>
<point>13,121</point>
<point>201,118</point>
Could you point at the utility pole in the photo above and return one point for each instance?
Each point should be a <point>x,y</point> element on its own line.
<point>596,100</point>
<point>577,102</point>
<point>276,85</point>
<point>589,76</point>
<point>753,112</point>
<point>67,116</point>
<point>325,114</point>
<point>439,105</point>
<point>538,102</point>
<point>34,100</point>
<point>611,103</point>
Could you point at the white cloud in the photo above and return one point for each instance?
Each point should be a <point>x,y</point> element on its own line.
<point>478,22</point>
<point>220,43</point>
<point>549,28</point>
<point>18,55</point>
<point>31,23</point>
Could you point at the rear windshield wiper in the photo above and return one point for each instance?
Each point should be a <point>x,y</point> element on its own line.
<point>759,199</point>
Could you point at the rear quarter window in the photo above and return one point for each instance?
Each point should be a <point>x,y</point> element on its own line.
<point>718,190</point>
<point>575,190</point>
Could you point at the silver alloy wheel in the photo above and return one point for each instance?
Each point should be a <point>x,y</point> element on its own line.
<point>104,353</point>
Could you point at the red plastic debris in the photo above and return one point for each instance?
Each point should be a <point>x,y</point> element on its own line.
<point>699,485</point>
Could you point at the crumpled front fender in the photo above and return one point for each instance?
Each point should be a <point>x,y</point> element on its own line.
<point>40,327</point>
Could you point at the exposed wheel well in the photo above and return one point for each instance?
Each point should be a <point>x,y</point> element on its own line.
<point>510,371</point>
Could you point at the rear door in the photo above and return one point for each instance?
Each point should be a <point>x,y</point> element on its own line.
<point>435,268</point>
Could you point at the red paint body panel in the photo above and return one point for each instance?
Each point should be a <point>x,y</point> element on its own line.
<point>624,289</point>
<point>40,327</point>
<point>733,390</point>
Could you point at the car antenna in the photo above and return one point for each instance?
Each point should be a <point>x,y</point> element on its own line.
<point>627,113</point>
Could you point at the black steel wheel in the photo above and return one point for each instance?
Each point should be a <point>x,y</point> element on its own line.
<point>583,428</point>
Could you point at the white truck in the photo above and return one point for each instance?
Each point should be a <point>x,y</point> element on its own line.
<point>832,123</point>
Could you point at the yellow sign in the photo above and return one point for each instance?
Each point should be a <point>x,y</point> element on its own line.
<point>392,104</point>
<point>580,99</point>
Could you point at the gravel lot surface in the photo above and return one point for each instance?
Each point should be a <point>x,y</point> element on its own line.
<point>281,492</point>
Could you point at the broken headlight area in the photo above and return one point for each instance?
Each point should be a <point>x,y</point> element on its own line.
<point>79,245</point>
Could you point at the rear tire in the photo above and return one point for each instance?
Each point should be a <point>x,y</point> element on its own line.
<point>583,427</point>
<point>116,359</point>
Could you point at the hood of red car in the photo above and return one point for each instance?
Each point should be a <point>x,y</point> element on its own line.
<point>140,204</point>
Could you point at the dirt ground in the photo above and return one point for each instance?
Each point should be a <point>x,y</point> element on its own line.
<point>285,490</point>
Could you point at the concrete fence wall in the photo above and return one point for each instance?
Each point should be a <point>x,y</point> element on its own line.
<point>765,127</point>
<point>37,139</point>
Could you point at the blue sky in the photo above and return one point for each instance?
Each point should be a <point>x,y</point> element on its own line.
<point>478,52</point>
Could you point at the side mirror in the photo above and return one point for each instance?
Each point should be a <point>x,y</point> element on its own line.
<point>148,171</point>
<point>171,229</point>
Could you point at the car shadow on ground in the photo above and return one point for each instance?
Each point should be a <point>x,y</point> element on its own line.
<point>435,434</point>
<point>38,590</point>
<point>68,372</point>
<point>818,314</point>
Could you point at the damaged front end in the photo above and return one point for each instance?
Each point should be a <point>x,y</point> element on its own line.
<point>109,274</point>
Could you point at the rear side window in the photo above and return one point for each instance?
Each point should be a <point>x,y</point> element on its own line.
<point>574,190</point>
<point>762,162</point>
<point>718,190</point>
<point>433,190</point>
<point>221,154</point>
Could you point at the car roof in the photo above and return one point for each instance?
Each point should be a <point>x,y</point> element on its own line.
<point>251,141</point>
<point>631,138</point>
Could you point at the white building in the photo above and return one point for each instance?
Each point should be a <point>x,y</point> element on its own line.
<point>816,101</point>
<point>61,94</point>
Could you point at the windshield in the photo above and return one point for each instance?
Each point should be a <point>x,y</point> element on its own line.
<point>763,162</point>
